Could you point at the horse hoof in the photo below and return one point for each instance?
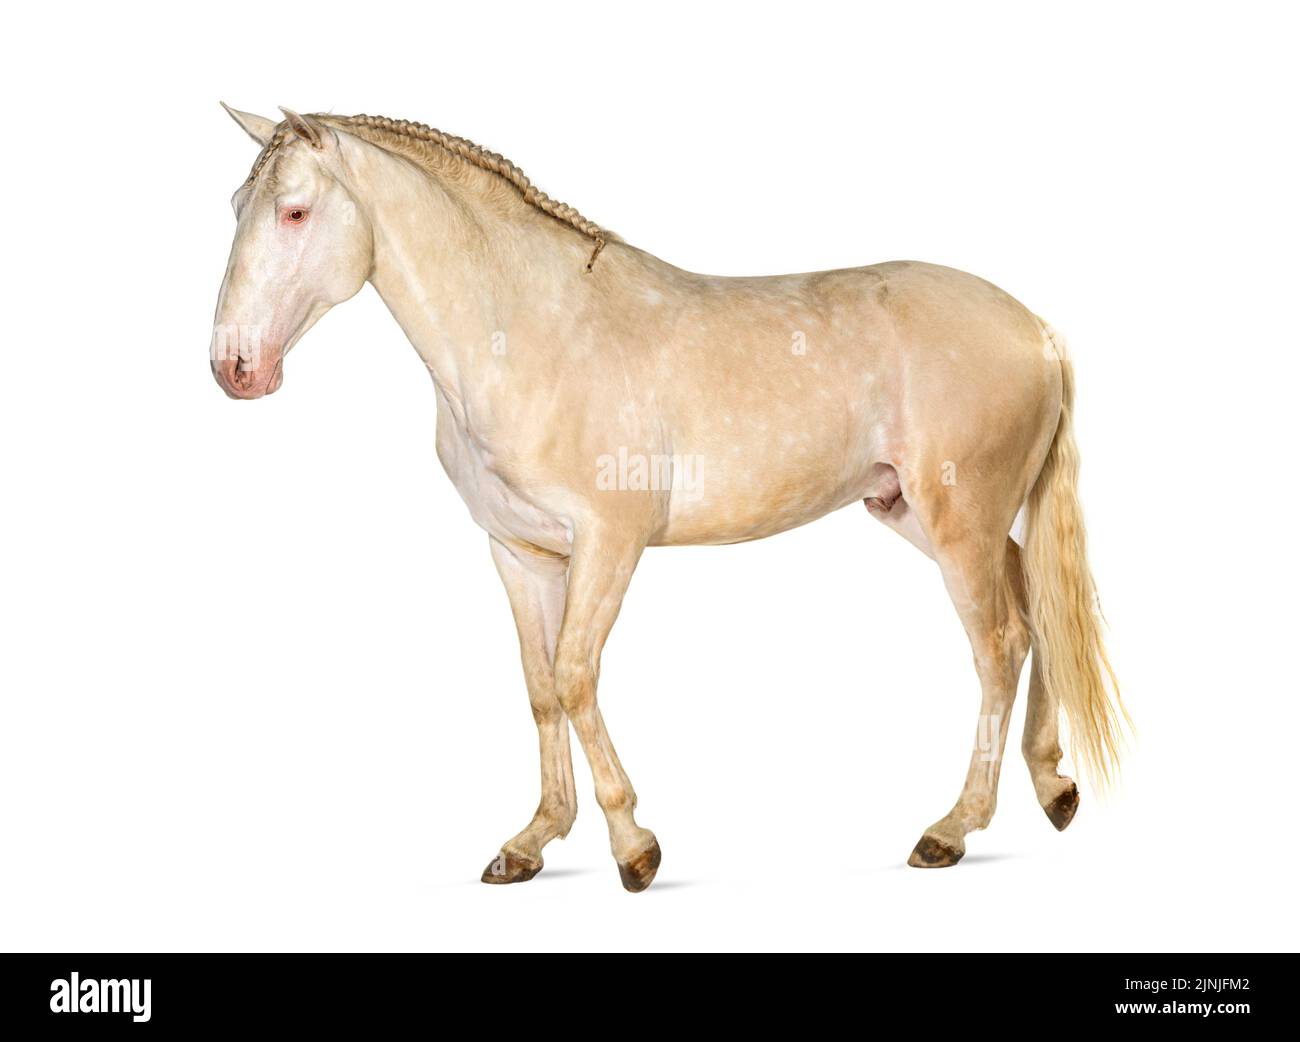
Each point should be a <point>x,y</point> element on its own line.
<point>510,868</point>
<point>934,853</point>
<point>1061,810</point>
<point>639,872</point>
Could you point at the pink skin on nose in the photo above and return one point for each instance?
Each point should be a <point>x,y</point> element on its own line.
<point>246,380</point>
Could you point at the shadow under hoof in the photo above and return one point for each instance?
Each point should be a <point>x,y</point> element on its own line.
<point>639,873</point>
<point>506,868</point>
<point>1061,810</point>
<point>934,853</point>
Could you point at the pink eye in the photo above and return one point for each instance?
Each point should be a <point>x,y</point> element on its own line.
<point>295,216</point>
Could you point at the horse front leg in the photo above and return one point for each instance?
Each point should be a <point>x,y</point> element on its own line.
<point>535,586</point>
<point>600,569</point>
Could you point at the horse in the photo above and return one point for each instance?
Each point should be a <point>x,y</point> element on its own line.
<point>594,400</point>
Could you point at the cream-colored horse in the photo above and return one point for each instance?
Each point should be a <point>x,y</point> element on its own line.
<point>594,400</point>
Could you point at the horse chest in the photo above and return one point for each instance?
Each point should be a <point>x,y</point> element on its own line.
<point>494,503</point>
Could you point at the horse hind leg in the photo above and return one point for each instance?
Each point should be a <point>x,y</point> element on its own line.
<point>975,571</point>
<point>1057,794</point>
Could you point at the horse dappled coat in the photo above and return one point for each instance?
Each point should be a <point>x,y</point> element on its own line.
<point>736,408</point>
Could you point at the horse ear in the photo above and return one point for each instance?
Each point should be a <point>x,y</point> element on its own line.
<point>259,128</point>
<point>305,127</point>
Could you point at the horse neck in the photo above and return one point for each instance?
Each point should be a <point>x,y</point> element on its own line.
<point>453,261</point>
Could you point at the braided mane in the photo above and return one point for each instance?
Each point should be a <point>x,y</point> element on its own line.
<point>370,128</point>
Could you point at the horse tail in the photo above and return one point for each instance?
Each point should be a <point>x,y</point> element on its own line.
<point>1064,616</point>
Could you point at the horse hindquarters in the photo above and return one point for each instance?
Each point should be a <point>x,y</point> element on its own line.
<point>1010,600</point>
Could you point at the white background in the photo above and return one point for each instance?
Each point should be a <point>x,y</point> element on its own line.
<point>260,681</point>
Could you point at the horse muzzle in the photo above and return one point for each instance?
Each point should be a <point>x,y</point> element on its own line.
<point>245,380</point>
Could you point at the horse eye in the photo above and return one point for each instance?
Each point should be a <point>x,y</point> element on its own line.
<point>296,216</point>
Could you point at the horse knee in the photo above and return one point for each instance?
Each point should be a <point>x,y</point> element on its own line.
<point>548,712</point>
<point>556,808</point>
<point>575,687</point>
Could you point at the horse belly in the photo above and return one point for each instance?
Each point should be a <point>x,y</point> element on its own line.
<point>742,493</point>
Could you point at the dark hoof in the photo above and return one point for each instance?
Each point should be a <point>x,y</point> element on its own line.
<point>507,868</point>
<point>1062,809</point>
<point>639,873</point>
<point>934,853</point>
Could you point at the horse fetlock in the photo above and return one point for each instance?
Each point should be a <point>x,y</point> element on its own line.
<point>614,797</point>
<point>1048,785</point>
<point>978,811</point>
<point>556,814</point>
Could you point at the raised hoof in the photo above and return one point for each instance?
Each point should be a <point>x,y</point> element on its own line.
<point>508,868</point>
<point>934,853</point>
<point>1061,810</point>
<point>639,873</point>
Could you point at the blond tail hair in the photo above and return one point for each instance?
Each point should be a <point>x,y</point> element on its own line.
<point>1064,616</point>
